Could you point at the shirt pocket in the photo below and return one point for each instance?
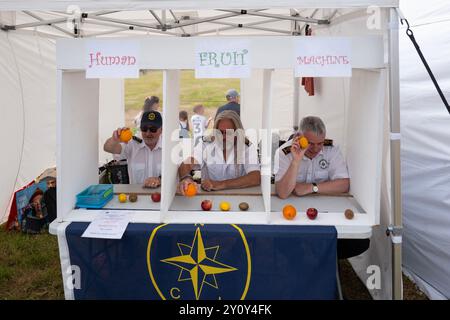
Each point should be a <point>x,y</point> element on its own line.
<point>138,173</point>
<point>301,176</point>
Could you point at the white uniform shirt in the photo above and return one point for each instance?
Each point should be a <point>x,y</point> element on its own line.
<point>327,165</point>
<point>198,125</point>
<point>214,167</point>
<point>142,162</point>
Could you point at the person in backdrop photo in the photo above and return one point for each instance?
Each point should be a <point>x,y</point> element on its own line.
<point>150,104</point>
<point>184,124</point>
<point>233,102</point>
<point>199,123</point>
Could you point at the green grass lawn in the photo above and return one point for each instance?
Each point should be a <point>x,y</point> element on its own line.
<point>209,92</point>
<point>29,266</point>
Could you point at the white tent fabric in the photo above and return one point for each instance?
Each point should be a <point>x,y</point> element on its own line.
<point>425,149</point>
<point>28,108</point>
<point>189,4</point>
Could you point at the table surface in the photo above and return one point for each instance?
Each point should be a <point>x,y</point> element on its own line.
<point>185,210</point>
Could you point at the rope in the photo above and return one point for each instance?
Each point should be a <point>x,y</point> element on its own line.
<point>410,34</point>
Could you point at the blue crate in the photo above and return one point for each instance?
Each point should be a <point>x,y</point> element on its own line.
<point>95,197</point>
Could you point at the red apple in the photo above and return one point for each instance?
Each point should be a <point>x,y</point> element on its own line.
<point>156,197</point>
<point>311,213</point>
<point>206,205</point>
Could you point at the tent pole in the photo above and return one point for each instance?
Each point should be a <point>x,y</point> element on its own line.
<point>55,27</point>
<point>235,26</point>
<point>296,117</point>
<point>396,195</point>
<point>281,17</point>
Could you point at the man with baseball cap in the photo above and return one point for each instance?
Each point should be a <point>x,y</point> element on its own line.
<point>143,156</point>
<point>233,99</point>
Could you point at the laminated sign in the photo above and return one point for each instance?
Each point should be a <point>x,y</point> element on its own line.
<point>222,59</point>
<point>322,57</point>
<point>112,59</point>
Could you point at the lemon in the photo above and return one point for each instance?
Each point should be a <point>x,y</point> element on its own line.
<point>225,206</point>
<point>122,197</point>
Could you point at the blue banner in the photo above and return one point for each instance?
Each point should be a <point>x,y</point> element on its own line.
<point>206,262</point>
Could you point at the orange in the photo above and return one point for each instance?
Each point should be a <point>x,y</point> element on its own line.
<point>289,212</point>
<point>191,190</point>
<point>225,206</point>
<point>122,197</point>
<point>303,142</point>
<point>125,135</point>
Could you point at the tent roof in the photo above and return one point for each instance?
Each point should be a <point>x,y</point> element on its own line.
<point>15,5</point>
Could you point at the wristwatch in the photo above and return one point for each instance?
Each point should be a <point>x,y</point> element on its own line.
<point>315,188</point>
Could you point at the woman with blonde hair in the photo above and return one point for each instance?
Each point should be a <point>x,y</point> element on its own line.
<point>228,160</point>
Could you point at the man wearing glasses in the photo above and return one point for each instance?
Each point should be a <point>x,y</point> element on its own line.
<point>143,156</point>
<point>319,168</point>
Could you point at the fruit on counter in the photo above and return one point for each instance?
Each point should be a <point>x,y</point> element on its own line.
<point>289,212</point>
<point>125,135</point>
<point>206,205</point>
<point>225,206</point>
<point>312,213</point>
<point>303,142</point>
<point>156,197</point>
<point>191,190</point>
<point>133,197</point>
<point>349,214</point>
<point>122,198</point>
<point>243,206</point>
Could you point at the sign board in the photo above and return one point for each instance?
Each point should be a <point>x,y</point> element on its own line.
<point>222,58</point>
<point>322,57</point>
<point>112,59</point>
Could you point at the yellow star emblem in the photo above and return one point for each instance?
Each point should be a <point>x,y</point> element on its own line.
<point>200,263</point>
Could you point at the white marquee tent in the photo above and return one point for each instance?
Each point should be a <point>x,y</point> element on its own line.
<point>29,99</point>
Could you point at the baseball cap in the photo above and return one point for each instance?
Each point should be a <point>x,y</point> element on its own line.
<point>232,93</point>
<point>151,118</point>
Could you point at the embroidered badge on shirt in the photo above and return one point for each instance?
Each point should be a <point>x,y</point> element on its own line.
<point>323,164</point>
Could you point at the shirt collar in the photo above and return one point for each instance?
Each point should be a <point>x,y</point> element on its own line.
<point>319,154</point>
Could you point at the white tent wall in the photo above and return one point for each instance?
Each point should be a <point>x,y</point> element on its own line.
<point>425,149</point>
<point>28,103</point>
<point>28,107</point>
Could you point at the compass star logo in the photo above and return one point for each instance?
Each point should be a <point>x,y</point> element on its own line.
<point>198,264</point>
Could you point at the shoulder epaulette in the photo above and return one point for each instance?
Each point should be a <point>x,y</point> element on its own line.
<point>328,142</point>
<point>138,140</point>
<point>286,150</point>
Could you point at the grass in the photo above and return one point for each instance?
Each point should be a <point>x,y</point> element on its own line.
<point>29,266</point>
<point>209,92</point>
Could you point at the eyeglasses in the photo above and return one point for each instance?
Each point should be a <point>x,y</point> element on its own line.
<point>151,129</point>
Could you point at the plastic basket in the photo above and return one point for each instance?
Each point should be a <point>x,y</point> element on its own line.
<point>95,197</point>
